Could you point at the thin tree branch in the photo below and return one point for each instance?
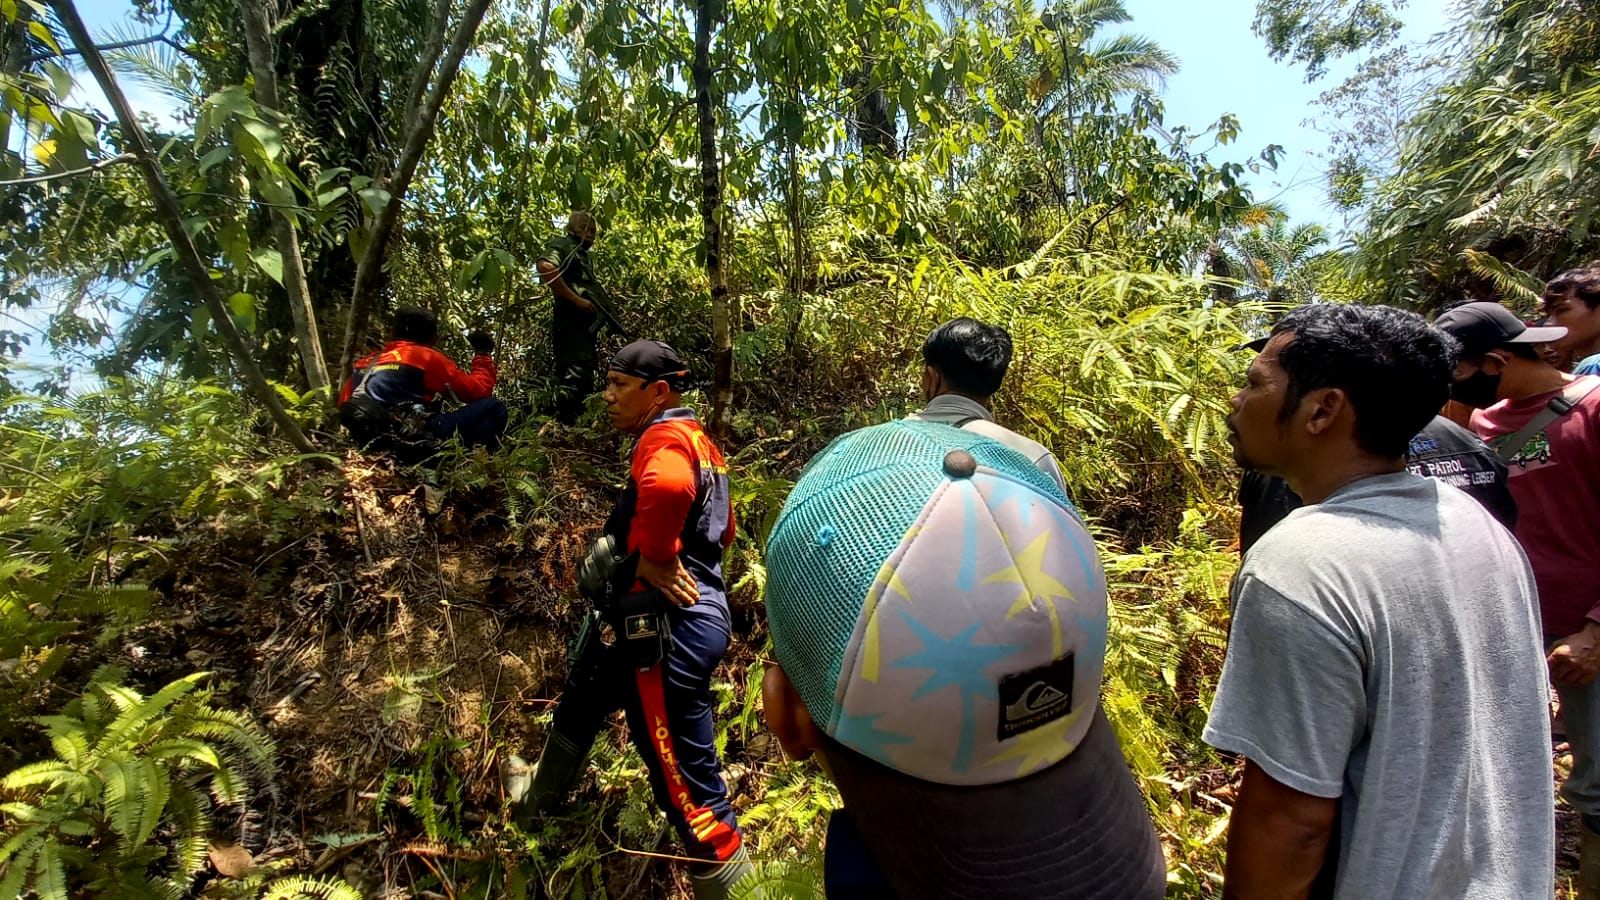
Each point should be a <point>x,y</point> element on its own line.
<point>263,66</point>
<point>430,56</point>
<point>416,141</point>
<point>159,37</point>
<point>70,173</point>
<point>170,215</point>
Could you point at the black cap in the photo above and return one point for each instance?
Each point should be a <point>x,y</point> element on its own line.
<point>1483,326</point>
<point>652,361</point>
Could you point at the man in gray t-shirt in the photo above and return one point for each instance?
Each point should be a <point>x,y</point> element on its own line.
<point>964,361</point>
<point>1384,676</point>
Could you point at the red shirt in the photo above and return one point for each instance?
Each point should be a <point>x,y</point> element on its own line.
<point>1555,479</point>
<point>403,372</point>
<point>674,463</point>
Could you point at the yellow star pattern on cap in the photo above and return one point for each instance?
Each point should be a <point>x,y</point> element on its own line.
<point>1037,585</point>
<point>887,579</point>
<point>1041,747</point>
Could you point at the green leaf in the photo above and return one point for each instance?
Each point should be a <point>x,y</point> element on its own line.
<point>471,271</point>
<point>233,100</point>
<point>276,192</point>
<point>327,197</point>
<point>269,261</point>
<point>493,275</point>
<point>268,136</point>
<point>60,79</point>
<point>235,243</point>
<point>155,259</point>
<point>38,30</point>
<point>198,323</point>
<point>244,308</point>
<point>580,191</point>
<point>214,157</point>
<point>326,175</point>
<point>375,198</point>
<point>357,239</point>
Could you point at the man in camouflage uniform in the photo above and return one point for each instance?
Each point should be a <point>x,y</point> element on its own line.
<point>565,267</point>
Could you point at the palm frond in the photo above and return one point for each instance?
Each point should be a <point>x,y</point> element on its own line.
<point>1520,288</point>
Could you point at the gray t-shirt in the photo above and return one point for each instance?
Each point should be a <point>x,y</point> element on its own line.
<point>970,415</point>
<point>1385,650</point>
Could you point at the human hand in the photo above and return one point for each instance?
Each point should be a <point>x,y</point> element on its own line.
<point>481,342</point>
<point>1575,659</point>
<point>672,578</point>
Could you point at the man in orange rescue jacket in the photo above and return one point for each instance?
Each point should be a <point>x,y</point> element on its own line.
<point>394,395</point>
<point>663,547</point>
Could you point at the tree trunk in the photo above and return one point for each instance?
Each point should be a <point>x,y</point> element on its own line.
<point>795,209</point>
<point>416,140</point>
<point>258,42</point>
<point>170,213</point>
<point>711,217</point>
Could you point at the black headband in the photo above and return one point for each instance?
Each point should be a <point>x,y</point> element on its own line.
<point>652,361</point>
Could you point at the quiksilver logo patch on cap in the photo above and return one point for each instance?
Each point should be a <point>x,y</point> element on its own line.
<point>1036,697</point>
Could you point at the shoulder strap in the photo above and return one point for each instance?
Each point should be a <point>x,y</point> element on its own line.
<point>1559,405</point>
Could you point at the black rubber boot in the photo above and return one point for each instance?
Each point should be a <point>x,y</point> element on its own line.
<point>559,767</point>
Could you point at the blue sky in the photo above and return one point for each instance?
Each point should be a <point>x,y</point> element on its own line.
<point>1225,69</point>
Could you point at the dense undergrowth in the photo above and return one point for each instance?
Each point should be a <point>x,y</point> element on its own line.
<point>393,661</point>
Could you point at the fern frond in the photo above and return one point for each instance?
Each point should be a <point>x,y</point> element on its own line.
<point>50,880</point>
<point>191,821</point>
<point>14,873</point>
<point>121,797</point>
<point>306,888</point>
<point>155,787</point>
<point>50,772</point>
<point>143,711</point>
<point>185,748</point>
<point>1520,288</point>
<point>17,853</point>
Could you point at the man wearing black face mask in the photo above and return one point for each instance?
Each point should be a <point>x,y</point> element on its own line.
<point>1546,425</point>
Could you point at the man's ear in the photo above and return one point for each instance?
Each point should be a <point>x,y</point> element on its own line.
<point>931,382</point>
<point>1494,362</point>
<point>787,715</point>
<point>1326,405</point>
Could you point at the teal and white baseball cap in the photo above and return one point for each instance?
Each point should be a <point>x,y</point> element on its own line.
<point>940,608</point>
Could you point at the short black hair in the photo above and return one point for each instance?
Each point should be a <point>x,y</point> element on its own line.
<point>1585,279</point>
<point>1394,367</point>
<point>415,324</point>
<point>972,357</point>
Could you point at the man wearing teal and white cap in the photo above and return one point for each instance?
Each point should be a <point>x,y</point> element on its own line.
<point>938,615</point>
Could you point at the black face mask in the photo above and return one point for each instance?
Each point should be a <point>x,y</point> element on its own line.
<point>1480,390</point>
